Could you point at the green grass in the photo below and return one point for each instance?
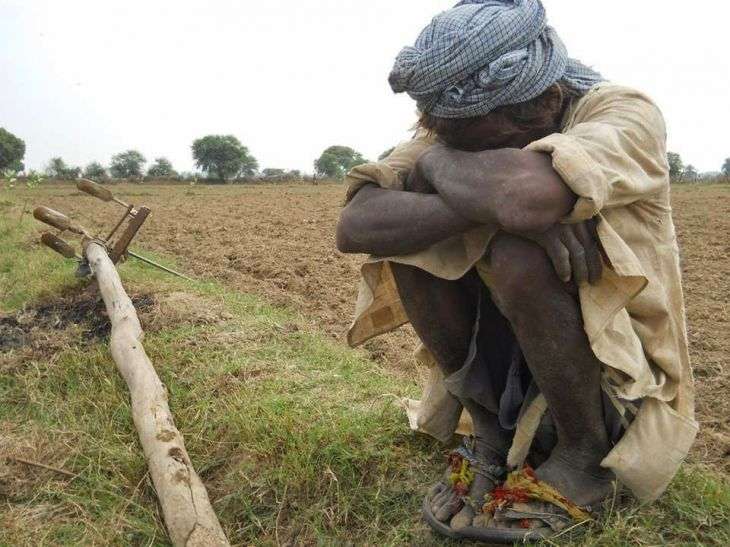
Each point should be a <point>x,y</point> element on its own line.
<point>296,437</point>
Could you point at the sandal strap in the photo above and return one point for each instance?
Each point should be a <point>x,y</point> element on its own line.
<point>494,472</point>
<point>556,519</point>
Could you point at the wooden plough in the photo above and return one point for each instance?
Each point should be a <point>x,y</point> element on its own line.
<point>186,509</point>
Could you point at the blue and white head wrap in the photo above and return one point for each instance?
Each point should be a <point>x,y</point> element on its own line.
<point>482,54</point>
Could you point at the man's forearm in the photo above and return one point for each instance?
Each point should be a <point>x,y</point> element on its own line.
<point>390,222</point>
<point>517,190</point>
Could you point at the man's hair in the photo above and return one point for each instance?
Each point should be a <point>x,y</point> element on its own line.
<point>538,113</point>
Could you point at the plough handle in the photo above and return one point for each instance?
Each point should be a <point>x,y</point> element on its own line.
<point>98,191</point>
<point>57,244</point>
<point>58,220</point>
<point>94,189</point>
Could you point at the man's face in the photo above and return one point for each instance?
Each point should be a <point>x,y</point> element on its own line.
<point>494,131</point>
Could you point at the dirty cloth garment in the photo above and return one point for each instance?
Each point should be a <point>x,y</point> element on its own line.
<point>611,152</point>
<point>482,54</point>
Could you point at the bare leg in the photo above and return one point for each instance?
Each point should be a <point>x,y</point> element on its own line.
<point>443,314</point>
<point>548,325</point>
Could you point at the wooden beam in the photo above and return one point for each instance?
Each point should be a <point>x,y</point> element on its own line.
<point>188,515</point>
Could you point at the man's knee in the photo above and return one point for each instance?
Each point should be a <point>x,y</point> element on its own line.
<point>520,273</point>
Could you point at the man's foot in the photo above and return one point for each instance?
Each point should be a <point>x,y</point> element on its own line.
<point>585,486</point>
<point>482,486</point>
<point>450,503</point>
<point>559,493</point>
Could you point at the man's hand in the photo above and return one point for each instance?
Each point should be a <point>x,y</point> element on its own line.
<point>574,251</point>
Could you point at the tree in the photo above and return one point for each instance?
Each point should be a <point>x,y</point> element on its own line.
<point>127,165</point>
<point>336,161</point>
<point>676,167</point>
<point>161,169</point>
<point>726,168</point>
<point>387,153</point>
<point>690,173</point>
<point>12,152</point>
<point>223,157</point>
<point>96,171</point>
<point>57,169</point>
<point>271,172</point>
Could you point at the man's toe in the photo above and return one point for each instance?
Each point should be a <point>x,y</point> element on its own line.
<point>439,500</point>
<point>449,507</point>
<point>463,518</point>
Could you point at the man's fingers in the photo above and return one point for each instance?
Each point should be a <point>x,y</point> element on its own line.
<point>586,233</point>
<point>560,257</point>
<point>577,256</point>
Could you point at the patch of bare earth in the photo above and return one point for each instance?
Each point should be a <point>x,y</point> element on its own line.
<point>79,317</point>
<point>279,242</point>
<point>83,309</point>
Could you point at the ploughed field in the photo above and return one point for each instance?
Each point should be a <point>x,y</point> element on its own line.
<point>278,241</point>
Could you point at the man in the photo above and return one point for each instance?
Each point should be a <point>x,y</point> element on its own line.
<point>526,234</point>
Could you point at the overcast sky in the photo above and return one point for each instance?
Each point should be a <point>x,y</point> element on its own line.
<point>86,79</point>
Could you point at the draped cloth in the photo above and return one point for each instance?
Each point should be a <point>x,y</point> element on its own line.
<point>482,54</point>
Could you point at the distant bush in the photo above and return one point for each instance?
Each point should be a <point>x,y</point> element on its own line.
<point>96,172</point>
<point>280,175</point>
<point>127,165</point>
<point>57,169</point>
<point>161,168</point>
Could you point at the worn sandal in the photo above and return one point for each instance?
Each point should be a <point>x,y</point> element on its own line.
<point>464,465</point>
<point>523,509</point>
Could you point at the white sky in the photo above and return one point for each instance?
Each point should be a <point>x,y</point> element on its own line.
<point>84,79</point>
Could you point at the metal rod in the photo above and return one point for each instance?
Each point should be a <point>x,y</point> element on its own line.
<point>156,265</point>
<point>121,221</point>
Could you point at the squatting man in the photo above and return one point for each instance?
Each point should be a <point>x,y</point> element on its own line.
<point>526,234</point>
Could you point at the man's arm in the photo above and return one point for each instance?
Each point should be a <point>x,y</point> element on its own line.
<point>517,190</point>
<point>386,222</point>
<point>511,190</point>
<point>520,193</point>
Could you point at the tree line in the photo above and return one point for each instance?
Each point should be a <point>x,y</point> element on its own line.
<point>224,158</point>
<point>681,173</point>
<point>219,158</point>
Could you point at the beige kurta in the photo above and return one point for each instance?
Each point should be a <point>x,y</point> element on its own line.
<point>612,154</point>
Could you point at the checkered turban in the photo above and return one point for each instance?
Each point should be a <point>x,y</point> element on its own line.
<point>482,54</point>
